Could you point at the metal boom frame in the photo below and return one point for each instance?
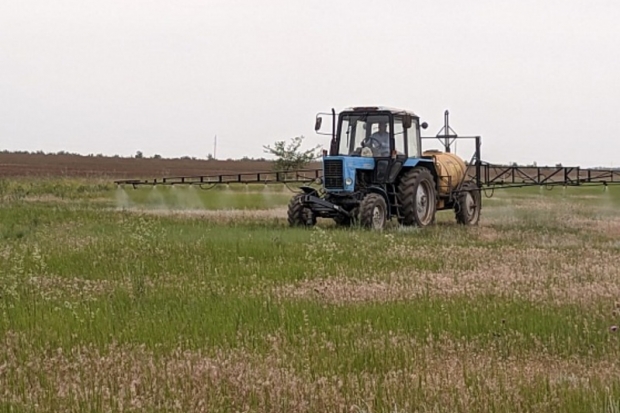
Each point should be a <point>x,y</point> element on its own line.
<point>289,176</point>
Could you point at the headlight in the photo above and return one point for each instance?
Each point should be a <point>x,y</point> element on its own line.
<point>348,181</point>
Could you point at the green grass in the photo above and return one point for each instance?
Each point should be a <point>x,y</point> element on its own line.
<point>120,290</point>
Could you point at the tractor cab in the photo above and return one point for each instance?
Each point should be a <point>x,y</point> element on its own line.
<point>369,147</point>
<point>376,132</point>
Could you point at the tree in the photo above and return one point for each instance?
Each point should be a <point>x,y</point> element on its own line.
<point>290,157</point>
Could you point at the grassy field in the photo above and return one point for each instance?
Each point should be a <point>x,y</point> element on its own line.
<point>188,300</point>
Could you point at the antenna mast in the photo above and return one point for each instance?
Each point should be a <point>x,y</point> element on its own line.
<point>448,133</point>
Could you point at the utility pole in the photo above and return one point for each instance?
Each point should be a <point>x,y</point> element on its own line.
<point>215,147</point>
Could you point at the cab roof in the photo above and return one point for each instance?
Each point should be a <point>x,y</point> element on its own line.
<point>394,111</point>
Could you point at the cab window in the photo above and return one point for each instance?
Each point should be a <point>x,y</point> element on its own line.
<point>400,135</point>
<point>413,151</point>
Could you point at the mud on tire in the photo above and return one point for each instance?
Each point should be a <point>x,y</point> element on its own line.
<point>417,198</point>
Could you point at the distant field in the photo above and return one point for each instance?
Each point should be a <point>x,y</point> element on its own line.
<point>188,300</point>
<point>13,165</point>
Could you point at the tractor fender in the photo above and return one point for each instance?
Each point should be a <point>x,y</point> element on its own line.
<point>427,163</point>
<point>383,193</point>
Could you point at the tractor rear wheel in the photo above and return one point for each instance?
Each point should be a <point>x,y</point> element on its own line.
<point>373,212</point>
<point>298,215</point>
<point>468,204</point>
<point>417,197</point>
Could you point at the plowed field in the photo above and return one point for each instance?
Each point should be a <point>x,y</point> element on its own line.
<point>13,165</point>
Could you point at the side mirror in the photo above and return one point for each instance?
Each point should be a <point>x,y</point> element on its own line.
<point>317,123</point>
<point>424,125</point>
<point>407,121</point>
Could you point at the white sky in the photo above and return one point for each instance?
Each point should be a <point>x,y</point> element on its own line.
<point>538,80</point>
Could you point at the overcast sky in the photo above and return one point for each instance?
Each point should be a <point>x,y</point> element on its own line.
<point>538,80</point>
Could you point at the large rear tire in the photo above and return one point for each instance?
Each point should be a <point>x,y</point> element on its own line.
<point>298,215</point>
<point>417,197</point>
<point>468,204</point>
<point>373,212</point>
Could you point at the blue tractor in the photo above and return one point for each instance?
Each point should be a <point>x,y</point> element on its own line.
<point>376,171</point>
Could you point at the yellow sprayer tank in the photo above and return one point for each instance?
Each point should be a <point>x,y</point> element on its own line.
<point>450,168</point>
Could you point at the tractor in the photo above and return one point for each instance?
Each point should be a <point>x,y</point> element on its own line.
<point>376,171</point>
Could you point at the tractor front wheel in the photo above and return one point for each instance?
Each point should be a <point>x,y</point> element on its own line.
<point>373,212</point>
<point>468,204</point>
<point>298,215</point>
<point>416,195</point>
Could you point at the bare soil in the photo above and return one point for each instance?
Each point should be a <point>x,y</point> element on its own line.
<point>50,165</point>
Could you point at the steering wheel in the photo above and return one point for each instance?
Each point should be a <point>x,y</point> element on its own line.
<point>371,142</point>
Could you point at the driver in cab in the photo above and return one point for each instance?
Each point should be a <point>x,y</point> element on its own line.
<point>379,141</point>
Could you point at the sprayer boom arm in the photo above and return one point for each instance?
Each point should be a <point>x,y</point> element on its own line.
<point>490,176</point>
<point>495,176</point>
<point>291,176</point>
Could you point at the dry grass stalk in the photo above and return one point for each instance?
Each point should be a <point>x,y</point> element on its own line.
<point>132,378</point>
